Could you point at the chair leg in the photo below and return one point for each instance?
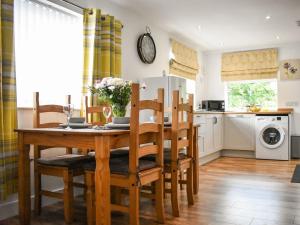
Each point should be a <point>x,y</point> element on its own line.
<point>37,182</point>
<point>159,199</point>
<point>181,177</point>
<point>68,196</point>
<point>174,192</point>
<point>189,186</point>
<point>90,209</point>
<point>134,205</point>
<point>37,192</point>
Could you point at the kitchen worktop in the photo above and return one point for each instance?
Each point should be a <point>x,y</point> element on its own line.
<point>276,112</point>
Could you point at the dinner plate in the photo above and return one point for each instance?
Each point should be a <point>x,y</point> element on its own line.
<point>118,126</point>
<point>76,125</point>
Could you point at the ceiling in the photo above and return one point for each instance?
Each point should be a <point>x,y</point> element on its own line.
<point>224,24</point>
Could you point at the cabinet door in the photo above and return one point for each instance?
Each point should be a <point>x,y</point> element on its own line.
<point>239,132</point>
<point>218,133</point>
<point>209,135</point>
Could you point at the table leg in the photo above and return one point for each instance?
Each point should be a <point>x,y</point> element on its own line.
<point>102,180</point>
<point>24,182</point>
<point>196,161</point>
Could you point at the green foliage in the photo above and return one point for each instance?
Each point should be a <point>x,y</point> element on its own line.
<point>116,92</point>
<point>250,94</point>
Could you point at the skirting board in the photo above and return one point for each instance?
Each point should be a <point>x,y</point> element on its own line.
<point>229,153</point>
<point>238,153</point>
<point>208,158</point>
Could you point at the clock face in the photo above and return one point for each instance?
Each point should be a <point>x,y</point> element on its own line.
<point>146,48</point>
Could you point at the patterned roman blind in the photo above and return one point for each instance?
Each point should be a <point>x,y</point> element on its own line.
<point>250,65</point>
<point>184,61</point>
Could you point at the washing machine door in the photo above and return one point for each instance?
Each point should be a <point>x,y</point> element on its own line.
<point>272,136</point>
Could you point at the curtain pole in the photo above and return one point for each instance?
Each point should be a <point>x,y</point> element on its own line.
<point>80,7</point>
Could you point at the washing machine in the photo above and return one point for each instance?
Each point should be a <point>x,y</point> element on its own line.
<point>272,137</point>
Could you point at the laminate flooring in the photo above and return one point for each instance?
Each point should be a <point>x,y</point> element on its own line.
<point>233,191</point>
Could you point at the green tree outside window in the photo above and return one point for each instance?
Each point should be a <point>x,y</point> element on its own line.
<point>245,94</point>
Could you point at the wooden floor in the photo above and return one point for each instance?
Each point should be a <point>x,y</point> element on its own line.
<point>232,191</point>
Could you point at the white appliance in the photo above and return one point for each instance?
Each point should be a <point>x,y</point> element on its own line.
<point>169,83</point>
<point>272,137</point>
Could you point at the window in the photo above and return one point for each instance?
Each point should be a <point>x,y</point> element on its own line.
<point>49,52</point>
<point>239,95</point>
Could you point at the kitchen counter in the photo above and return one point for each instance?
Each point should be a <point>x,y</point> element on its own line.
<point>277,112</point>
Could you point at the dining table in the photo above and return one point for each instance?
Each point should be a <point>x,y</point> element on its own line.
<point>101,141</point>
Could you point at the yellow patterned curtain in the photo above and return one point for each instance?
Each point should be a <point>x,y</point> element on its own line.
<point>102,50</point>
<point>8,105</point>
<point>184,61</point>
<point>250,65</point>
<point>102,47</point>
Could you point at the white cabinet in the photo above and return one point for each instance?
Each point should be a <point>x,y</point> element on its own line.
<point>210,135</point>
<point>239,132</point>
<point>218,132</point>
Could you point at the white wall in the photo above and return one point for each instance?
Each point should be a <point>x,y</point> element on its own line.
<point>132,69</point>
<point>287,90</point>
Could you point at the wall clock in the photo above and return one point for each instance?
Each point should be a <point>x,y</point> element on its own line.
<point>146,47</point>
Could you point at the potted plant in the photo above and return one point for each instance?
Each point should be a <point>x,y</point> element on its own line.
<point>116,92</point>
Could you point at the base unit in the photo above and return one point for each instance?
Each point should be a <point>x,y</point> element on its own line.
<point>239,132</point>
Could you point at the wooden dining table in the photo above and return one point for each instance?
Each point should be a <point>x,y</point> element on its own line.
<point>102,141</point>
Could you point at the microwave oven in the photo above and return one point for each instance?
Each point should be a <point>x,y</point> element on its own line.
<point>213,105</point>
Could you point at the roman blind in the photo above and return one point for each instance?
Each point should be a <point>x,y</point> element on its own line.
<point>184,61</point>
<point>250,65</point>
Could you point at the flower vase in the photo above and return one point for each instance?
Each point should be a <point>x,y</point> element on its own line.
<point>118,110</point>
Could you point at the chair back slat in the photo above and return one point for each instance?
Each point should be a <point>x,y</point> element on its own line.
<point>39,109</point>
<point>150,104</point>
<point>145,133</point>
<point>93,113</point>
<point>182,127</point>
<point>185,107</point>
<point>183,143</point>
<point>51,108</point>
<point>148,149</point>
<point>149,127</point>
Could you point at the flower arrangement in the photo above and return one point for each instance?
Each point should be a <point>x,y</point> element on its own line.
<point>116,92</point>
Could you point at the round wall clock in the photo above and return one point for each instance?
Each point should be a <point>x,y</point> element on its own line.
<point>146,47</point>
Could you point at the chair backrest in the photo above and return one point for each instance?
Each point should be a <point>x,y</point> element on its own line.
<point>182,126</point>
<point>39,109</point>
<point>146,138</point>
<point>94,113</point>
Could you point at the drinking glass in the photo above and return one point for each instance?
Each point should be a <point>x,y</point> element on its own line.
<point>68,110</point>
<point>106,112</point>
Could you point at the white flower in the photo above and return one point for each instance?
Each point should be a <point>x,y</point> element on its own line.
<point>97,84</point>
<point>111,87</point>
<point>117,81</point>
<point>105,81</point>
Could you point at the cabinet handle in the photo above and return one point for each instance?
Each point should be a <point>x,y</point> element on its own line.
<point>215,120</point>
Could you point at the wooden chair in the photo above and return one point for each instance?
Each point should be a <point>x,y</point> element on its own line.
<point>66,166</point>
<point>94,113</point>
<point>130,171</point>
<point>176,161</point>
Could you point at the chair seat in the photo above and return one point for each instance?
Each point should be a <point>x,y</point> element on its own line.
<point>71,161</point>
<point>167,156</point>
<point>115,153</point>
<point>120,165</point>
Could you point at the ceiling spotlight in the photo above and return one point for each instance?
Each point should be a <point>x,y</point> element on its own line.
<point>268,17</point>
<point>277,37</point>
<point>199,28</point>
<point>221,43</point>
